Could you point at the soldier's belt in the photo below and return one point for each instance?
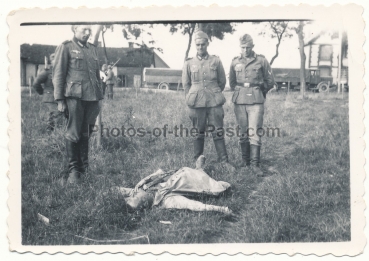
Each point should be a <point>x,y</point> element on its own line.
<point>247,85</point>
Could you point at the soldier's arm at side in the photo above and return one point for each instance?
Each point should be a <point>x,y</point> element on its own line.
<point>186,78</point>
<point>221,76</point>
<point>268,76</point>
<point>41,78</point>
<point>232,77</point>
<point>60,71</point>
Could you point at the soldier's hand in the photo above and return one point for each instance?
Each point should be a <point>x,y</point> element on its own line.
<point>62,105</point>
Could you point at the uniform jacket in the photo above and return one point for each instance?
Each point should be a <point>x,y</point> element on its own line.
<point>47,90</point>
<point>203,81</point>
<point>255,72</point>
<point>110,77</point>
<point>76,72</point>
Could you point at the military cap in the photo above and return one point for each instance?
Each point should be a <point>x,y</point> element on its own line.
<point>201,35</point>
<point>246,40</point>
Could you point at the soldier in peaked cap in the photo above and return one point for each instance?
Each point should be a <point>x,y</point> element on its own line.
<point>250,78</point>
<point>203,79</point>
<point>77,88</point>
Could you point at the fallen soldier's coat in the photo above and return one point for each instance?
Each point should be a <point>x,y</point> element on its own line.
<point>187,181</point>
<point>171,193</point>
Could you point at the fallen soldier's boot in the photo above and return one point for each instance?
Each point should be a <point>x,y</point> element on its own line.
<point>200,162</point>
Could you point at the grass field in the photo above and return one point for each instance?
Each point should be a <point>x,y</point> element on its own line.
<point>306,199</point>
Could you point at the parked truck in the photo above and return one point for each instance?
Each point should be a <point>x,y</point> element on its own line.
<point>285,77</point>
<point>163,78</point>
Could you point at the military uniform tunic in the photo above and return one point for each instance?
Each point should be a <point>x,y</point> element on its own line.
<point>250,79</point>
<point>76,72</point>
<point>76,78</point>
<point>203,81</point>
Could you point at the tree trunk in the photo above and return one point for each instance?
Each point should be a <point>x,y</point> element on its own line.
<point>300,33</point>
<point>276,52</point>
<point>106,56</point>
<point>190,33</point>
<point>97,35</point>
<point>200,26</point>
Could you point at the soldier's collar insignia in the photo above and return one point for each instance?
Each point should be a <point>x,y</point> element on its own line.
<point>205,57</point>
<point>82,45</point>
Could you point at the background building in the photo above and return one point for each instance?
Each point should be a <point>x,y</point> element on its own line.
<point>131,62</point>
<point>322,53</point>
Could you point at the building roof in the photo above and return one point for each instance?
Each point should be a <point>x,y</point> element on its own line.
<point>36,53</point>
<point>129,57</point>
<point>333,35</point>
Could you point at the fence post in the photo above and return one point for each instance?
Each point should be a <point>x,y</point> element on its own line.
<point>288,87</point>
<point>99,125</point>
<point>30,86</point>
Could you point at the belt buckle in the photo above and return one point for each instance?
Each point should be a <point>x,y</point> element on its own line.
<point>246,84</point>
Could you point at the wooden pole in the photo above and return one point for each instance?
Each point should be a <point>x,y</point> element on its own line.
<point>339,61</point>
<point>30,86</point>
<point>288,87</point>
<point>99,117</point>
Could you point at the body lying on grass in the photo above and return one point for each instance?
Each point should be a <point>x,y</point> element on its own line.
<point>168,190</point>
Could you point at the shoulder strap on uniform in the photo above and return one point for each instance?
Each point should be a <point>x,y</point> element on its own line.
<point>67,41</point>
<point>215,55</point>
<point>235,58</point>
<point>189,58</point>
<point>261,55</point>
<point>92,44</point>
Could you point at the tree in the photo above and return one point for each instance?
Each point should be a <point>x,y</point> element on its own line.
<point>135,31</point>
<point>217,30</point>
<point>299,29</point>
<point>279,30</point>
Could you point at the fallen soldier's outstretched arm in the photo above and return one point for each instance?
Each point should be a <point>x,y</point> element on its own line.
<point>147,179</point>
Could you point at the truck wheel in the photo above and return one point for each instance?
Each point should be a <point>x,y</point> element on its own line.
<point>163,86</point>
<point>323,86</point>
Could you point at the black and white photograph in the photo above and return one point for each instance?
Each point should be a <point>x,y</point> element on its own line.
<point>145,133</point>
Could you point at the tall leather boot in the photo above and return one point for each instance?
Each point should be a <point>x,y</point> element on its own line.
<point>83,156</point>
<point>245,152</point>
<point>255,160</point>
<point>73,161</point>
<point>198,147</point>
<point>221,150</point>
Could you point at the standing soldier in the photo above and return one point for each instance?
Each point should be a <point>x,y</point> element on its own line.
<point>204,80</point>
<point>250,78</point>
<point>110,82</point>
<point>76,79</point>
<point>103,74</point>
<point>47,92</point>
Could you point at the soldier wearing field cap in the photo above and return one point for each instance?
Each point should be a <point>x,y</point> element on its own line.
<point>110,82</point>
<point>250,77</point>
<point>77,89</point>
<point>204,80</point>
<point>44,86</point>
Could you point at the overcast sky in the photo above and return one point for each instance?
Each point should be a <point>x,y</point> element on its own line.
<point>174,45</point>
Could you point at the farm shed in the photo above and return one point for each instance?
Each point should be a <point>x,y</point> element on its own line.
<point>322,53</point>
<point>131,63</point>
